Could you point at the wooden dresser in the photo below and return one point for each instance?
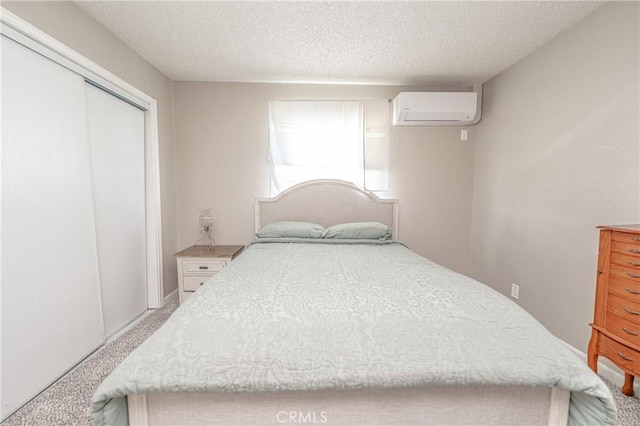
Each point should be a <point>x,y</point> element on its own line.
<point>616,324</point>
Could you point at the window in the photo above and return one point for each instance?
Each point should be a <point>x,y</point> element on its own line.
<point>345,140</point>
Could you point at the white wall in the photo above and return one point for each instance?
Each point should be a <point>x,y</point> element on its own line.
<point>557,153</point>
<point>221,162</point>
<point>70,25</point>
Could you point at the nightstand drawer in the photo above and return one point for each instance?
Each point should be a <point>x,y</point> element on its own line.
<point>186,295</point>
<point>189,266</point>
<point>194,283</point>
<point>620,354</point>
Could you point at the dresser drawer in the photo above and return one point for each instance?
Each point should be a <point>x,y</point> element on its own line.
<point>624,308</point>
<point>192,283</point>
<point>619,271</point>
<point>627,261</point>
<point>623,328</point>
<point>625,237</point>
<point>186,295</point>
<point>620,354</point>
<point>629,289</point>
<point>628,249</point>
<point>203,266</point>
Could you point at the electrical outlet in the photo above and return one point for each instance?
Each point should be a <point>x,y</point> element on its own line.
<point>464,135</point>
<point>515,291</point>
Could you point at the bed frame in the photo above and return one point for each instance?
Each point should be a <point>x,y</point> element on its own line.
<point>329,202</point>
<point>438,405</point>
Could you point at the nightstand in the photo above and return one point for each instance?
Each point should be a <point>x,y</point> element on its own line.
<point>197,264</point>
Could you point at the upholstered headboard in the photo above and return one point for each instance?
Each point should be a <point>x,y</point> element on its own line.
<point>327,202</point>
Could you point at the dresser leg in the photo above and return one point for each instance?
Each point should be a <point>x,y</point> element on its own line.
<point>592,351</point>
<point>627,388</point>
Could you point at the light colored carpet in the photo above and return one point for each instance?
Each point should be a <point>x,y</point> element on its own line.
<point>628,407</point>
<point>67,401</point>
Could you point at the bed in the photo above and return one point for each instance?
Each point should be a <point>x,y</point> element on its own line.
<point>353,330</point>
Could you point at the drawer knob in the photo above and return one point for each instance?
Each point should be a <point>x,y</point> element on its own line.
<point>201,283</point>
<point>632,263</point>
<point>204,267</point>
<point>626,330</point>
<point>632,275</point>
<point>626,358</point>
<point>632,291</point>
<point>636,251</point>
<point>632,312</point>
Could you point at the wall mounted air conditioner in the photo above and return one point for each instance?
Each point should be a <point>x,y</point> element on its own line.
<point>435,108</point>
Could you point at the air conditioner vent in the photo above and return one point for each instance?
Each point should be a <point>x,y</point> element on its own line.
<point>434,108</point>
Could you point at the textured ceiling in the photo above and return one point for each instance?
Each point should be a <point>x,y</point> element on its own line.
<point>421,43</point>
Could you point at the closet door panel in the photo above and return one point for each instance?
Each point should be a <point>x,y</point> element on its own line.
<point>51,313</point>
<point>116,140</point>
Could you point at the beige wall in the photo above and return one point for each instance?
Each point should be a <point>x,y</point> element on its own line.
<point>221,162</point>
<point>557,153</point>
<point>67,23</point>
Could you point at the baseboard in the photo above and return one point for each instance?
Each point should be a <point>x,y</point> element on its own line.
<point>170,297</point>
<point>605,368</point>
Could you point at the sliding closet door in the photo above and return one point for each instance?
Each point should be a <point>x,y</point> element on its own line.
<point>116,140</point>
<point>51,315</point>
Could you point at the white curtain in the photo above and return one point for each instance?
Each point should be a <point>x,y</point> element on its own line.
<point>327,140</point>
<point>376,145</point>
